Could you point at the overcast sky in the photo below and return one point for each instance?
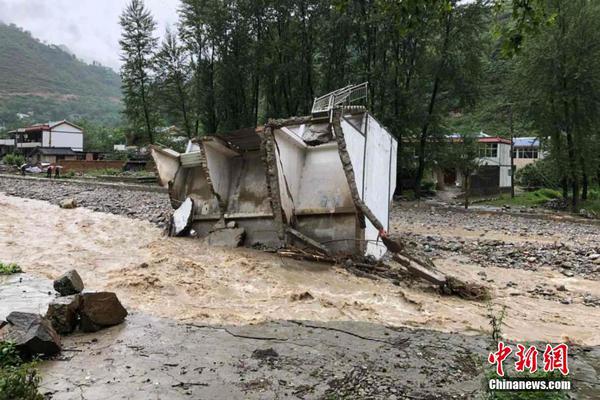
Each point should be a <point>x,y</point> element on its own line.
<point>90,28</point>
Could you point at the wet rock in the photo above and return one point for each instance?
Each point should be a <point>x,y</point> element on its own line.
<point>31,333</point>
<point>227,237</point>
<point>62,313</point>
<point>568,273</point>
<point>69,283</point>
<point>301,296</point>
<point>264,354</point>
<point>68,203</point>
<point>100,310</point>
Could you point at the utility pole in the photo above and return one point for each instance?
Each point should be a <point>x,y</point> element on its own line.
<point>512,153</point>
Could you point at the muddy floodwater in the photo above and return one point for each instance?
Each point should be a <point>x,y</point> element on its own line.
<point>188,281</point>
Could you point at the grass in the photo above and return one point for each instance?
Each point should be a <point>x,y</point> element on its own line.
<point>18,379</point>
<point>9,269</point>
<point>526,199</point>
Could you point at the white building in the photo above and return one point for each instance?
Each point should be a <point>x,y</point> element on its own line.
<point>60,134</point>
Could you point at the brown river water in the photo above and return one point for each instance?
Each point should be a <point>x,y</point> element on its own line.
<point>187,280</point>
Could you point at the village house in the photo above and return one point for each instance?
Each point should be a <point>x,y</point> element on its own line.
<point>60,134</point>
<point>49,142</point>
<point>526,150</point>
<point>493,174</point>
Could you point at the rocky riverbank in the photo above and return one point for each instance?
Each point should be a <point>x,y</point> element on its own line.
<point>144,205</point>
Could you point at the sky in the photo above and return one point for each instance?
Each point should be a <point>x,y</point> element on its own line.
<point>89,28</point>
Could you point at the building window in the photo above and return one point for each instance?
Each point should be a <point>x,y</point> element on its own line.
<point>526,152</point>
<point>489,150</point>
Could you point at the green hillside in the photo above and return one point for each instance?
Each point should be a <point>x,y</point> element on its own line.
<point>49,83</point>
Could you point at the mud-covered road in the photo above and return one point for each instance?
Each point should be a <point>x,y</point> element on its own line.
<point>187,299</point>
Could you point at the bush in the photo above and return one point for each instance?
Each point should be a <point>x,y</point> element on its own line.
<point>14,159</point>
<point>542,173</point>
<point>9,269</point>
<point>18,380</point>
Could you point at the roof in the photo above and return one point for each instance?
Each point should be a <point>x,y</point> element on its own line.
<point>56,151</point>
<point>526,142</point>
<point>496,139</point>
<point>45,127</point>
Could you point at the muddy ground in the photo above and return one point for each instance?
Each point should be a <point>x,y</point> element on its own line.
<point>171,285</point>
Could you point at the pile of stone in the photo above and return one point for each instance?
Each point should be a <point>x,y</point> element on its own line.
<point>34,334</point>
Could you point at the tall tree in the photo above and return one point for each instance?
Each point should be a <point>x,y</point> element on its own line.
<point>137,45</point>
<point>172,79</point>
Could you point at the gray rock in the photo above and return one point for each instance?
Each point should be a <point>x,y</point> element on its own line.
<point>100,310</point>
<point>69,283</point>
<point>31,333</point>
<point>227,237</point>
<point>62,313</point>
<point>68,203</point>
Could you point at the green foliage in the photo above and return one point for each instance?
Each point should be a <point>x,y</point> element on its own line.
<point>18,380</point>
<point>52,84</point>
<point>105,171</point>
<point>542,173</point>
<point>15,160</point>
<point>9,269</point>
<point>138,45</point>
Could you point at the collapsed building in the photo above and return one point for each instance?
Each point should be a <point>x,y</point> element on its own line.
<point>325,180</point>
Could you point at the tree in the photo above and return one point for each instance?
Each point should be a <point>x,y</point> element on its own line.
<point>559,77</point>
<point>172,70</point>
<point>138,45</point>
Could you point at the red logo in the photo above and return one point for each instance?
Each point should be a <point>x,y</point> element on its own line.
<point>555,358</point>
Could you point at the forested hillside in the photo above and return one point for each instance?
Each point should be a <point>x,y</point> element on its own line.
<point>48,83</point>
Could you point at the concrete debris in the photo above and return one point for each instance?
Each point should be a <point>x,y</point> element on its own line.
<point>100,310</point>
<point>319,175</point>
<point>68,203</point>
<point>68,284</point>
<point>227,237</point>
<point>31,333</point>
<point>182,219</point>
<point>63,313</point>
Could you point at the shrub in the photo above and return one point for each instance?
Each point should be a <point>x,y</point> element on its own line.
<point>18,380</point>
<point>14,159</point>
<point>542,173</point>
<point>9,269</point>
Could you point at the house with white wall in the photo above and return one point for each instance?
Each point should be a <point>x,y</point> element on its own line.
<point>62,134</point>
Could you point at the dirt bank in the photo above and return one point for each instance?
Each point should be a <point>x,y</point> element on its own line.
<point>188,281</point>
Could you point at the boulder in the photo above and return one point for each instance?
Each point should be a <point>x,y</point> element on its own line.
<point>69,284</point>
<point>31,333</point>
<point>68,203</point>
<point>100,310</point>
<point>227,237</point>
<point>62,313</point>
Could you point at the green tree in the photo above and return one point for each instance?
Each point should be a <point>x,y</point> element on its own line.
<point>138,45</point>
<point>172,70</point>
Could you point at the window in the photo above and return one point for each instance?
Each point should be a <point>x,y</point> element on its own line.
<point>526,152</point>
<point>489,150</point>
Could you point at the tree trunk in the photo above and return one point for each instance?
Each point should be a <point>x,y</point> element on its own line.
<point>467,190</point>
<point>434,93</point>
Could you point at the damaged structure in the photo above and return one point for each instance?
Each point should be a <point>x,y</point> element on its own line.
<point>325,180</point>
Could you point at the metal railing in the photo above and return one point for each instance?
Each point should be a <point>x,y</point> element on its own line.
<point>344,96</point>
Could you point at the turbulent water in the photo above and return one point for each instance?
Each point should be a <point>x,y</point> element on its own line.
<point>186,280</point>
